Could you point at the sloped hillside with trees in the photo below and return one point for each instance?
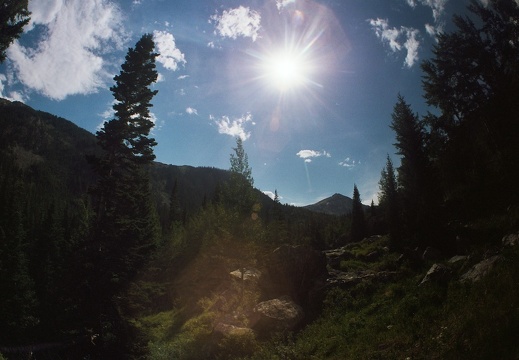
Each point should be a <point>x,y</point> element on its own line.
<point>106,254</point>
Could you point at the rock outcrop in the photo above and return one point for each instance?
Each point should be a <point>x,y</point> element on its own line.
<point>277,315</point>
<point>438,273</point>
<point>480,269</point>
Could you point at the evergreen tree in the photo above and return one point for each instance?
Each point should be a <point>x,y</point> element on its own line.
<point>414,175</point>
<point>13,17</point>
<point>473,79</point>
<point>18,301</point>
<point>358,220</point>
<point>126,225</point>
<point>389,203</point>
<point>238,191</point>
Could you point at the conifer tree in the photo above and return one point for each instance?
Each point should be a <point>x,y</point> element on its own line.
<point>418,192</point>
<point>358,220</point>
<point>389,203</point>
<point>239,191</point>
<point>473,80</point>
<point>13,17</point>
<point>126,228</point>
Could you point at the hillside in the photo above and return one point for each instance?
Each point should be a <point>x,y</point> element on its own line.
<point>285,284</point>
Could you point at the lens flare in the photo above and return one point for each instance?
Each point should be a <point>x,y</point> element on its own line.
<point>285,70</point>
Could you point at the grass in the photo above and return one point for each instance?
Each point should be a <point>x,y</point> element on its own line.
<point>375,319</point>
<point>404,321</point>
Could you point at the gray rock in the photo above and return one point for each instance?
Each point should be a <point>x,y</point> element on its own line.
<point>458,259</point>
<point>335,256</point>
<point>277,314</point>
<point>479,270</point>
<point>348,279</point>
<point>511,240</point>
<point>438,273</point>
<point>250,275</point>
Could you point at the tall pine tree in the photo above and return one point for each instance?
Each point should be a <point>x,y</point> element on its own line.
<point>418,191</point>
<point>358,220</point>
<point>389,203</point>
<point>239,192</point>
<point>126,228</point>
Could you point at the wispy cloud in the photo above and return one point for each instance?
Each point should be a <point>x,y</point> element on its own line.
<point>398,39</point>
<point>437,6</point>
<point>349,163</point>
<point>241,21</point>
<point>13,95</point>
<point>234,127</point>
<point>281,4</point>
<point>191,111</point>
<point>67,57</point>
<point>307,155</point>
<point>169,55</point>
<point>438,10</point>
<point>182,77</point>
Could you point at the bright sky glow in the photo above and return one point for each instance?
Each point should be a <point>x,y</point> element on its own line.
<point>308,85</point>
<point>285,70</point>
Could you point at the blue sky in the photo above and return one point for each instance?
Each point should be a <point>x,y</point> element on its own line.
<point>308,85</point>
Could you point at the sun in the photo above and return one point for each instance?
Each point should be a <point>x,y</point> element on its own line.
<point>285,70</point>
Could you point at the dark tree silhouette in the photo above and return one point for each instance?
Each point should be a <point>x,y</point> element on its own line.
<point>473,79</point>
<point>358,219</point>
<point>126,228</point>
<point>13,17</point>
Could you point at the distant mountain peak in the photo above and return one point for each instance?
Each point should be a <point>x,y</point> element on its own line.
<point>337,204</point>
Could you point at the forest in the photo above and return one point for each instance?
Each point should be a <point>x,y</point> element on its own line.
<point>107,254</point>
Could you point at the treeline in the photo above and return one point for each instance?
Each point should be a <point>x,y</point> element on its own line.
<point>460,163</point>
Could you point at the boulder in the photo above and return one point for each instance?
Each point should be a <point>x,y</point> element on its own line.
<point>438,273</point>
<point>458,259</point>
<point>277,315</point>
<point>479,270</point>
<point>348,279</point>
<point>511,240</point>
<point>335,256</point>
<point>295,271</point>
<point>247,275</point>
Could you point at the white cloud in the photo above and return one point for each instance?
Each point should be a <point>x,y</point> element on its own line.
<point>411,44</point>
<point>182,77</point>
<point>437,6</point>
<point>386,34</point>
<point>349,163</point>
<point>13,95</point>
<point>392,36</point>
<point>241,21</point>
<point>272,194</point>
<point>235,127</point>
<point>169,55</point>
<point>191,111</point>
<point>307,155</point>
<point>281,4</point>
<point>67,58</point>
